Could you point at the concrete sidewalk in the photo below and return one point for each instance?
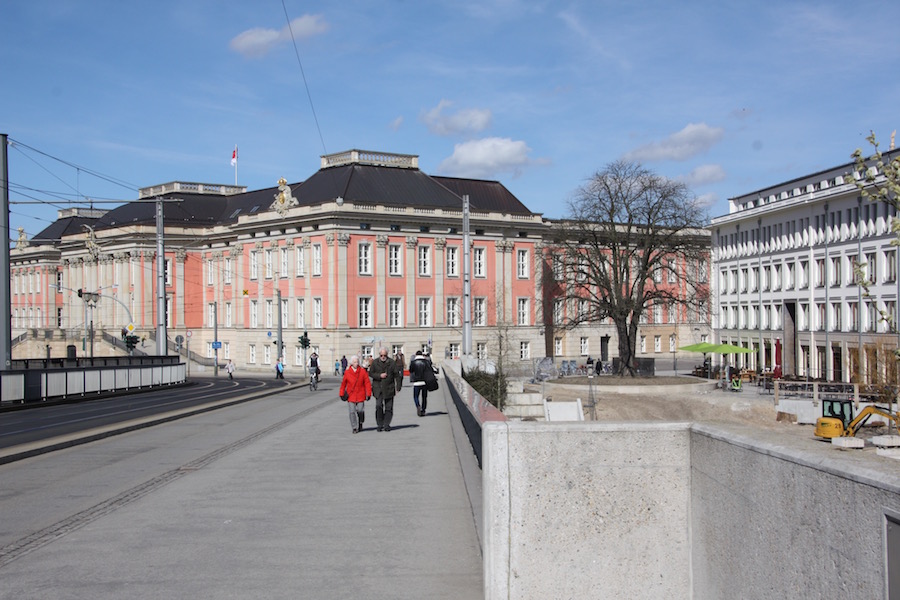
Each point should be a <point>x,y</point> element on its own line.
<point>307,510</point>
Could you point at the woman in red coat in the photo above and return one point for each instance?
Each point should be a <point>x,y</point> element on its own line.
<point>356,388</point>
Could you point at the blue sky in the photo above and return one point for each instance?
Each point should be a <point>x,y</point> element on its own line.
<point>728,96</point>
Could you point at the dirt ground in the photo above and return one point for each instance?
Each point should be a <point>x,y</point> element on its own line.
<point>676,404</point>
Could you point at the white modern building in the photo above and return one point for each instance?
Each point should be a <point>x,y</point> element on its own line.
<point>786,264</point>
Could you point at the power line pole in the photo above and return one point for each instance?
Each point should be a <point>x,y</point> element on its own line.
<point>5,304</point>
<point>467,283</point>
<point>161,345</point>
<point>215,338</point>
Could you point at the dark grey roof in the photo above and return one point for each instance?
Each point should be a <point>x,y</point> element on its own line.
<point>485,195</point>
<point>356,183</point>
<point>61,228</point>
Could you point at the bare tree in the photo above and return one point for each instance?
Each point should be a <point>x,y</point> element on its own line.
<point>632,239</point>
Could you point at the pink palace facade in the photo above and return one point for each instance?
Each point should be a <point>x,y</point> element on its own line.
<point>367,252</point>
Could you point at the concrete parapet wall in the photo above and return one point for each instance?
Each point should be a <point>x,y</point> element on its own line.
<point>586,510</point>
<point>774,522</point>
<point>656,510</point>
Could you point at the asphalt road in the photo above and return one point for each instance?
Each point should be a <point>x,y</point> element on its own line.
<point>46,421</point>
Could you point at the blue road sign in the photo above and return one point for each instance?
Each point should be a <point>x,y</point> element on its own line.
<point>216,345</point>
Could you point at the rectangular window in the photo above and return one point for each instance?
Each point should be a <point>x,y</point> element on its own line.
<point>267,354</point>
<point>820,273</point>
<point>853,309</point>
<point>584,346</point>
<point>395,260</point>
<point>481,351</point>
<point>365,259</point>
<point>424,253</point>
<point>524,351</point>
<point>210,272</point>
<point>395,312</point>
<point>283,255</point>
<point>209,350</point>
<point>522,264</point>
<point>229,315</point>
<point>424,312</point>
<point>479,269</point>
<point>479,312</point>
<point>870,267</point>
<point>452,253</point>
<point>643,344</point>
<point>317,260</point>
<point>453,350</point>
<point>365,312</point>
<point>890,266</point>
<point>254,264</point>
<point>557,347</point>
<point>453,312</point>
<point>672,343</point>
<point>301,312</point>
<point>210,314</point>
<point>301,260</point>
<point>557,312</point>
<point>168,271</point>
<point>251,354</point>
<point>226,350</point>
<point>228,269</point>
<point>284,312</point>
<point>269,266</point>
<point>269,314</point>
<point>254,314</point>
<point>657,343</point>
<point>298,356</point>
<point>522,311</point>
<point>317,312</point>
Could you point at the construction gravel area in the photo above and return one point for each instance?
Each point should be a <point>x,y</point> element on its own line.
<point>677,403</point>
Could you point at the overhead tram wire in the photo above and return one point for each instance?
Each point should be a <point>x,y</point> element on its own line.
<point>309,96</point>
<point>108,178</point>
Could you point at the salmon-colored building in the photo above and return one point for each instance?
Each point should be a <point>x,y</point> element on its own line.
<point>367,252</point>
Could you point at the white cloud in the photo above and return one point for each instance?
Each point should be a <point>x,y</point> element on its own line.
<point>694,139</point>
<point>257,42</point>
<point>396,123</point>
<point>486,158</point>
<point>708,200</point>
<point>469,120</point>
<point>703,175</point>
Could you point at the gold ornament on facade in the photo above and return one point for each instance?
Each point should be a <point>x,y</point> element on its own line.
<point>284,199</point>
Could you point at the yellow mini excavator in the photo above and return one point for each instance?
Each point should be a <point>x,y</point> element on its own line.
<point>837,418</point>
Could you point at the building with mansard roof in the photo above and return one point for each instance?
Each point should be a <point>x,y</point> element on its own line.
<point>366,252</point>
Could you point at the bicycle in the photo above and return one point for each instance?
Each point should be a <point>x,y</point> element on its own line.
<point>313,382</point>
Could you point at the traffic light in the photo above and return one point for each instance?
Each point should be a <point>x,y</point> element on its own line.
<point>80,293</point>
<point>304,340</point>
<point>130,342</point>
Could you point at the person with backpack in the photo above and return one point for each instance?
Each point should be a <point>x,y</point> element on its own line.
<point>314,365</point>
<point>355,390</point>
<point>422,376</point>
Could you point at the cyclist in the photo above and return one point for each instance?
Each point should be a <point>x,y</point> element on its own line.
<point>314,370</point>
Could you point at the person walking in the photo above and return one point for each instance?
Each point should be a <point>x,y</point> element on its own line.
<point>418,368</point>
<point>279,370</point>
<point>343,364</point>
<point>386,382</point>
<point>229,368</point>
<point>355,390</point>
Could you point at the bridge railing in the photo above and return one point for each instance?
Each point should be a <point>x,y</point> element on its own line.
<point>39,380</point>
<point>474,410</point>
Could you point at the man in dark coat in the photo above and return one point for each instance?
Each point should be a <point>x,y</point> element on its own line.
<point>386,382</point>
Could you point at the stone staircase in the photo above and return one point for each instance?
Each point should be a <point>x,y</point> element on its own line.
<point>521,404</point>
